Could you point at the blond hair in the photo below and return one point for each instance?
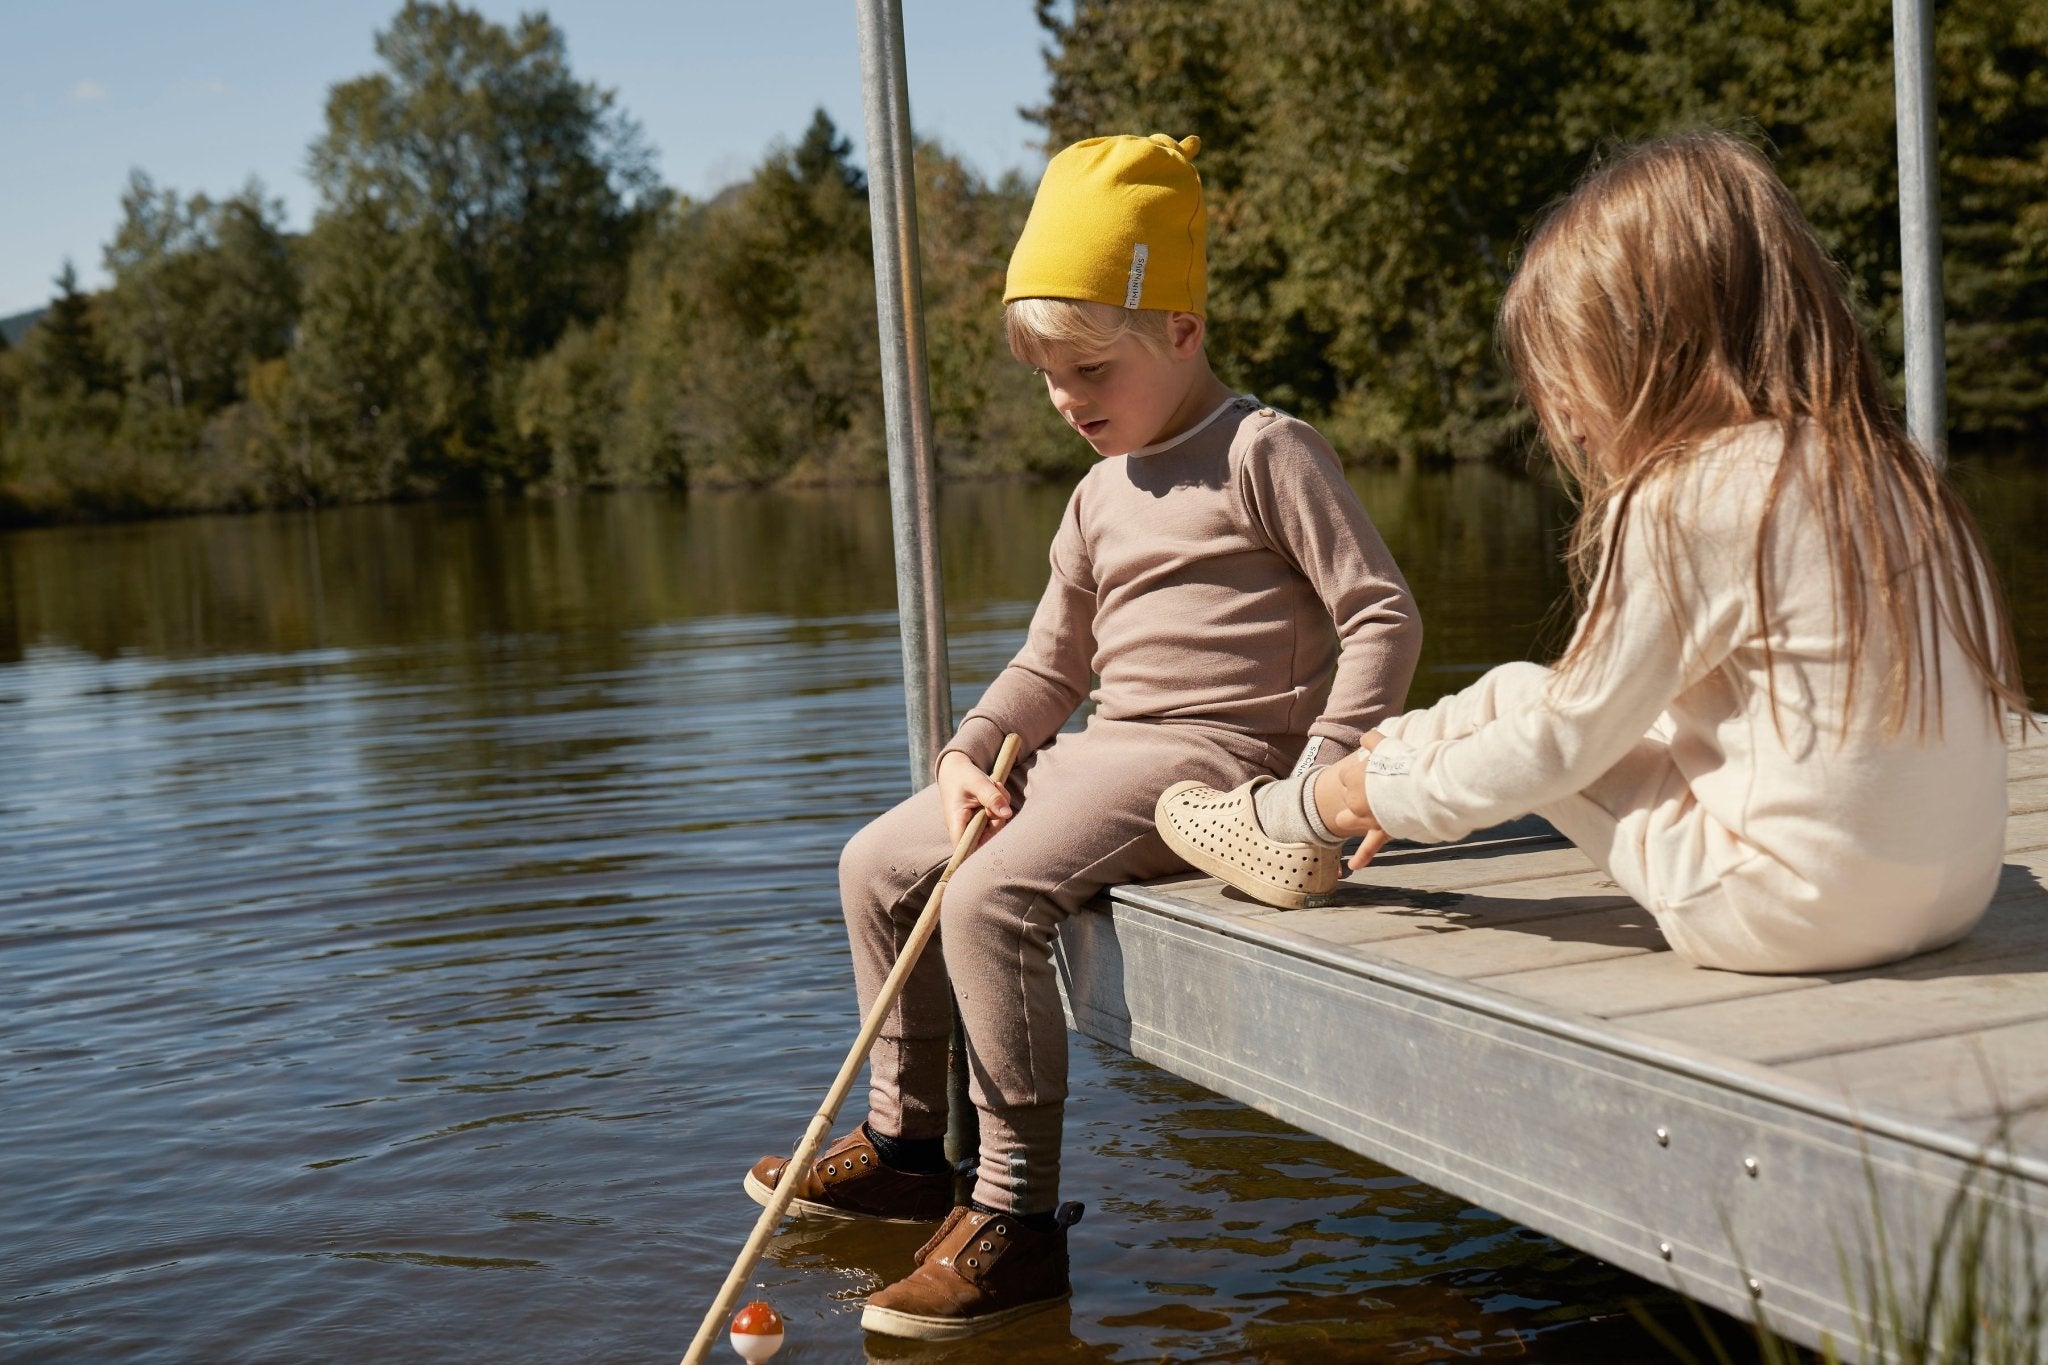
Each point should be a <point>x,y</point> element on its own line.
<point>1678,292</point>
<point>1044,331</point>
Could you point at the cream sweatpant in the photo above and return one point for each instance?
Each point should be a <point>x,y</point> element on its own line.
<point>1083,820</point>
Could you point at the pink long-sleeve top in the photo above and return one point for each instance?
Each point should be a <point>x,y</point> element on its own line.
<point>1229,577</point>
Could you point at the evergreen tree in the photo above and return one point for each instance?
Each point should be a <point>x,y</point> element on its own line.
<point>823,156</point>
<point>72,360</point>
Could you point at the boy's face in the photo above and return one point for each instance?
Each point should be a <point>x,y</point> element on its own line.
<point>1127,396</point>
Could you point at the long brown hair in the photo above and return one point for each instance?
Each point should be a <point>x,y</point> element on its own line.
<point>1679,292</point>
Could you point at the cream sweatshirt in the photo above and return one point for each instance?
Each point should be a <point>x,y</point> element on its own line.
<point>1809,840</point>
<point>1229,578</point>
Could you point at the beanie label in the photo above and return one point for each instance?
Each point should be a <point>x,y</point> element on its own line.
<point>1135,288</point>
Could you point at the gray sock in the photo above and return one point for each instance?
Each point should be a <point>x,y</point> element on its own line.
<point>1284,810</point>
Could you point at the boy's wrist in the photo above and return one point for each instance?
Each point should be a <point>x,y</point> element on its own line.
<point>978,740</point>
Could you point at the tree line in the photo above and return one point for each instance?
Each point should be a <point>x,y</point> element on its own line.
<point>495,293</point>
<point>1372,167</point>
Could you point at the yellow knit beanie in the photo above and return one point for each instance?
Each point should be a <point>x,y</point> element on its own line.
<point>1117,220</point>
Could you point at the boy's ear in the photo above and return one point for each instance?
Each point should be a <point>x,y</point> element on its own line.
<point>1184,331</point>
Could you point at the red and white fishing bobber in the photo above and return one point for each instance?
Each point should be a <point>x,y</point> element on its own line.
<point>756,1332</point>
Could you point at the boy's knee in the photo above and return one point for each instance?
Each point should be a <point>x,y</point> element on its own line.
<point>864,863</point>
<point>972,891</point>
<point>994,918</point>
<point>983,907</point>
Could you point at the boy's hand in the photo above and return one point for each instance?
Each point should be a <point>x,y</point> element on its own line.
<point>965,789</point>
<point>1342,802</point>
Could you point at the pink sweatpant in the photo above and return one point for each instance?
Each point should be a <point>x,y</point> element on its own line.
<point>1083,821</point>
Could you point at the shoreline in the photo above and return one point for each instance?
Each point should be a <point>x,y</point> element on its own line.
<point>25,510</point>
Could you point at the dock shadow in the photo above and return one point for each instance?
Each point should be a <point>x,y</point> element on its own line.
<point>1521,835</point>
<point>1615,921</point>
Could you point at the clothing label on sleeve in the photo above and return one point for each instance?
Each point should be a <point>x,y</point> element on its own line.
<point>1384,764</point>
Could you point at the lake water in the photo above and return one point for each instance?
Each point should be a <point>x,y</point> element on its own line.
<point>413,920</point>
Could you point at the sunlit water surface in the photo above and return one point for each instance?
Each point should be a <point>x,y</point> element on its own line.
<point>414,920</point>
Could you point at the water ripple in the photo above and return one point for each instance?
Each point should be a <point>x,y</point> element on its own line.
<point>413,976</point>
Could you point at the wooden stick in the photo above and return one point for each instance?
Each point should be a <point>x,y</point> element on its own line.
<point>821,1122</point>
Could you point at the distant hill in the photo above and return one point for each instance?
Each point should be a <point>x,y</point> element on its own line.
<point>13,328</point>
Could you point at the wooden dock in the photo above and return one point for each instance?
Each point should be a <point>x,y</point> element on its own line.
<point>1496,1018</point>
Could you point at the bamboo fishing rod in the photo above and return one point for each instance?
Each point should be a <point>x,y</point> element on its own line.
<point>821,1122</point>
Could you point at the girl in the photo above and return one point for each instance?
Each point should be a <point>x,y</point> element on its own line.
<point>1779,724</point>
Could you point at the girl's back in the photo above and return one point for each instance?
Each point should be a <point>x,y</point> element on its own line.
<point>1830,831</point>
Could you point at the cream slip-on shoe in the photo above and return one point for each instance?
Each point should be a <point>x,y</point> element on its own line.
<point>1218,833</point>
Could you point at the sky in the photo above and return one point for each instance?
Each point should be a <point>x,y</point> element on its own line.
<point>205,93</point>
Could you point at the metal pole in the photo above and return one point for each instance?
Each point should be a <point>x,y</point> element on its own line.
<point>1920,226</point>
<point>906,395</point>
<point>906,415</point>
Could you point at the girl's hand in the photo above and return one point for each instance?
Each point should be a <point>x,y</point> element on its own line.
<point>1345,808</point>
<point>965,789</point>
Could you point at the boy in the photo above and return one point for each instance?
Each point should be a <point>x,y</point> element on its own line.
<point>1196,573</point>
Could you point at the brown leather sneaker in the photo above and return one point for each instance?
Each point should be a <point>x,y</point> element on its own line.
<point>849,1181</point>
<point>979,1271</point>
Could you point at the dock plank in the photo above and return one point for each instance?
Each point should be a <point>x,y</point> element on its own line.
<point>1871,1011</point>
<point>2016,922</point>
<point>1979,1074</point>
<point>2026,830</point>
<point>1450,869</point>
<point>1615,989</point>
<point>2028,794</point>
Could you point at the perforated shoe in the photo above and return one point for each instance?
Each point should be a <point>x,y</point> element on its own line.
<point>978,1271</point>
<point>1219,833</point>
<point>848,1180</point>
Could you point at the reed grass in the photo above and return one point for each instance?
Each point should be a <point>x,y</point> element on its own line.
<point>1976,1295</point>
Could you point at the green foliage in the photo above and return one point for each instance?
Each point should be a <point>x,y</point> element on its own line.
<point>989,413</point>
<point>365,374</point>
<point>746,351</point>
<point>68,359</point>
<point>1371,167</point>
<point>1978,1292</point>
<point>495,294</point>
<point>780,367</point>
<point>202,292</point>
<point>496,199</point>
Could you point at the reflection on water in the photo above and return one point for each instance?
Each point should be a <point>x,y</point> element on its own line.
<point>414,919</point>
